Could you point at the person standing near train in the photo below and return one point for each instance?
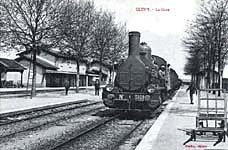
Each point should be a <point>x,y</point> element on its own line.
<point>192,90</point>
<point>67,86</point>
<point>97,87</point>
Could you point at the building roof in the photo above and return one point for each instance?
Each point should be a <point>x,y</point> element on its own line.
<point>95,71</point>
<point>65,56</point>
<point>59,72</point>
<point>39,61</point>
<point>55,53</point>
<point>11,65</point>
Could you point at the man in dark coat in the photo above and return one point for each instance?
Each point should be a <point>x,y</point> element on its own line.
<point>67,86</point>
<point>97,87</point>
<point>192,90</point>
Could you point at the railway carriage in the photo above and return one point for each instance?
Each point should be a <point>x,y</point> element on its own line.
<point>141,81</point>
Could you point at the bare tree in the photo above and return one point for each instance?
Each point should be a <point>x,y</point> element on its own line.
<point>109,40</point>
<point>2,29</point>
<point>194,45</point>
<point>76,30</point>
<point>119,44</point>
<point>208,38</point>
<point>118,49</point>
<point>31,24</point>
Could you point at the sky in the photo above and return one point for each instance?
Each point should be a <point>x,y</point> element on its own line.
<point>162,30</point>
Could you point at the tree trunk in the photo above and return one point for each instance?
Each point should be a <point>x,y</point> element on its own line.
<point>209,76</point>
<point>219,69</point>
<point>100,70</point>
<point>220,75</point>
<point>1,86</point>
<point>220,61</point>
<point>213,73</point>
<point>213,76</point>
<point>210,57</point>
<point>33,90</point>
<point>77,77</point>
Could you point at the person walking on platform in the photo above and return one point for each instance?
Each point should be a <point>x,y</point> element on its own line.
<point>192,90</point>
<point>67,86</point>
<point>97,87</point>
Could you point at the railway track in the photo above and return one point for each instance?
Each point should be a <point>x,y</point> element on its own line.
<point>24,115</point>
<point>31,126</point>
<point>98,132</point>
<point>97,129</point>
<point>86,131</point>
<point>116,147</point>
<point>46,136</point>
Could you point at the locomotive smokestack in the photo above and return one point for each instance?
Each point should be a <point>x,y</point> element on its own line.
<point>134,40</point>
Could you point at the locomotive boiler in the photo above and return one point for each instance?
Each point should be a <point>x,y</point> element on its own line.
<point>141,82</point>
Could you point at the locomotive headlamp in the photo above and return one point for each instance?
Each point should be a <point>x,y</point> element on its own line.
<point>109,100</point>
<point>147,97</point>
<point>151,88</point>
<point>109,87</point>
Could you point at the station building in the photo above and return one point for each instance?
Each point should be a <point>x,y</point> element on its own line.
<point>53,68</point>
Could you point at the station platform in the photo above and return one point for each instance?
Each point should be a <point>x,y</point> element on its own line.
<point>14,104</point>
<point>5,91</point>
<point>166,133</point>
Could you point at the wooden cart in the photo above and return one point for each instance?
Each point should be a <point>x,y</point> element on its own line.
<point>211,119</point>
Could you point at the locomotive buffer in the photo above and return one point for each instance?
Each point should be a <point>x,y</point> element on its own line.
<point>211,119</point>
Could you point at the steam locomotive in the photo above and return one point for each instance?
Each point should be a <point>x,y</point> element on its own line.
<point>143,81</point>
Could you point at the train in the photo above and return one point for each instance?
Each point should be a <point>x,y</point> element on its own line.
<point>143,81</point>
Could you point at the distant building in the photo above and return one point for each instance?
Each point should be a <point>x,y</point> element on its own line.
<point>186,81</point>
<point>201,79</point>
<point>53,68</point>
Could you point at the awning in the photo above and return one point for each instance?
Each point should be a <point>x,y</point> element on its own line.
<point>60,72</point>
<point>95,72</point>
<point>10,65</point>
<point>90,73</point>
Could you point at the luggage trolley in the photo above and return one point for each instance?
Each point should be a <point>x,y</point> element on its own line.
<point>211,119</point>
